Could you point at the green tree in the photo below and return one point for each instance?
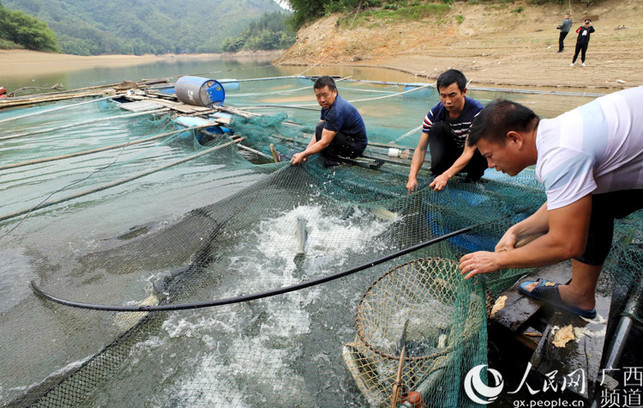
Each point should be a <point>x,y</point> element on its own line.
<point>307,10</point>
<point>26,31</point>
<point>269,32</point>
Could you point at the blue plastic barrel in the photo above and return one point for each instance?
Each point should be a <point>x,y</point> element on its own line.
<point>199,91</point>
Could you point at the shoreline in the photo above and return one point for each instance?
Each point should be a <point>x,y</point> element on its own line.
<point>20,63</point>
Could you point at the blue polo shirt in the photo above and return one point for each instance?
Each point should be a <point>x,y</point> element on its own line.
<point>342,117</point>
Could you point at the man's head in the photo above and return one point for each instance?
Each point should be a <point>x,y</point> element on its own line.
<point>452,87</point>
<point>502,132</point>
<point>566,16</point>
<point>588,21</point>
<point>325,91</point>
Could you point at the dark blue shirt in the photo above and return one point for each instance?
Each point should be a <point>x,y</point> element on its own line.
<point>460,125</point>
<point>342,117</point>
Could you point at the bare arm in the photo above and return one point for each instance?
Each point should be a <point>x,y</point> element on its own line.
<point>314,146</point>
<point>417,161</point>
<point>535,224</point>
<point>566,238</point>
<point>441,181</point>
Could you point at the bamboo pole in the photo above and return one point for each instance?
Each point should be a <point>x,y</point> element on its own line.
<point>54,109</point>
<point>100,149</point>
<point>45,204</point>
<point>86,122</point>
<point>398,379</point>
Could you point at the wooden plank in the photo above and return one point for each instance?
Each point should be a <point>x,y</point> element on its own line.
<point>518,307</point>
<point>22,101</point>
<point>584,352</point>
<point>140,106</point>
<point>176,106</point>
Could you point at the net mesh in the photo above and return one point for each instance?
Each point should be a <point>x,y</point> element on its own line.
<point>424,307</point>
<point>234,222</point>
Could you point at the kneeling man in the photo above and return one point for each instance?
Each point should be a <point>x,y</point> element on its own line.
<point>340,131</point>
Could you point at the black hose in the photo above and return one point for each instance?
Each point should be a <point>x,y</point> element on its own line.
<point>252,296</point>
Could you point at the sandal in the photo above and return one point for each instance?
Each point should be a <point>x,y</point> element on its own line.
<point>547,291</point>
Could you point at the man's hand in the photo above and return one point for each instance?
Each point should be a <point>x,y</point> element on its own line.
<point>477,263</point>
<point>298,158</point>
<point>412,185</point>
<point>507,242</point>
<point>439,182</point>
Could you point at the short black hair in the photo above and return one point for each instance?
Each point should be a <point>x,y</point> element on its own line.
<point>323,81</point>
<point>451,76</point>
<point>498,118</point>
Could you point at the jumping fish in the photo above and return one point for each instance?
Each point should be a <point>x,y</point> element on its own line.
<point>301,234</point>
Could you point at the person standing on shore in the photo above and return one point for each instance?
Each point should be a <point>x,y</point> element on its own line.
<point>564,30</point>
<point>582,41</point>
<point>444,133</point>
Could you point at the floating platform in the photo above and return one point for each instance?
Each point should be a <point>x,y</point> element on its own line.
<point>561,344</point>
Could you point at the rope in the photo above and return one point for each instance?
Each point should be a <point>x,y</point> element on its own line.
<point>246,298</point>
<point>54,109</point>
<point>309,105</point>
<point>87,122</point>
<point>490,89</point>
<point>306,88</point>
<point>407,134</point>
<point>115,183</point>
<point>100,149</point>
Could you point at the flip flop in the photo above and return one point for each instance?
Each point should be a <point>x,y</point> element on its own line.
<point>547,291</point>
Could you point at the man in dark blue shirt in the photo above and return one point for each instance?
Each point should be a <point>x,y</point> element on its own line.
<point>340,131</point>
<point>444,133</point>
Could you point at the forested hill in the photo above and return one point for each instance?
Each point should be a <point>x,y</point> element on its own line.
<point>93,27</point>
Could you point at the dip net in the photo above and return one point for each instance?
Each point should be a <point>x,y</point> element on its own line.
<point>424,307</point>
<point>234,222</point>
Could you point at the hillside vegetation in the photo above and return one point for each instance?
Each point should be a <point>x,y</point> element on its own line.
<point>95,27</point>
<point>20,30</point>
<point>267,33</point>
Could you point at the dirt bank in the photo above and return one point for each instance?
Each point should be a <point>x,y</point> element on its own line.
<point>505,44</point>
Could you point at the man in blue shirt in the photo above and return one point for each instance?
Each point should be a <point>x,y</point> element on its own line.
<point>340,131</point>
<point>444,133</point>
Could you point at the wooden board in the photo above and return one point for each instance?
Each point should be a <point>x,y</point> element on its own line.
<point>140,106</point>
<point>520,308</point>
<point>22,101</point>
<point>581,354</point>
<point>176,106</point>
<point>584,352</point>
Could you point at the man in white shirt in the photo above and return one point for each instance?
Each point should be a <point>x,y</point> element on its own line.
<point>590,161</point>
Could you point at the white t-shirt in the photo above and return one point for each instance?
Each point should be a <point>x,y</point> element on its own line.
<point>595,148</point>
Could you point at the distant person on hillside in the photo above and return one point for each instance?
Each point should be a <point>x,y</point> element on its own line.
<point>590,161</point>
<point>564,30</point>
<point>340,131</point>
<point>582,41</point>
<point>444,133</point>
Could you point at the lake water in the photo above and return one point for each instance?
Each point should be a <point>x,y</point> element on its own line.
<point>285,351</point>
